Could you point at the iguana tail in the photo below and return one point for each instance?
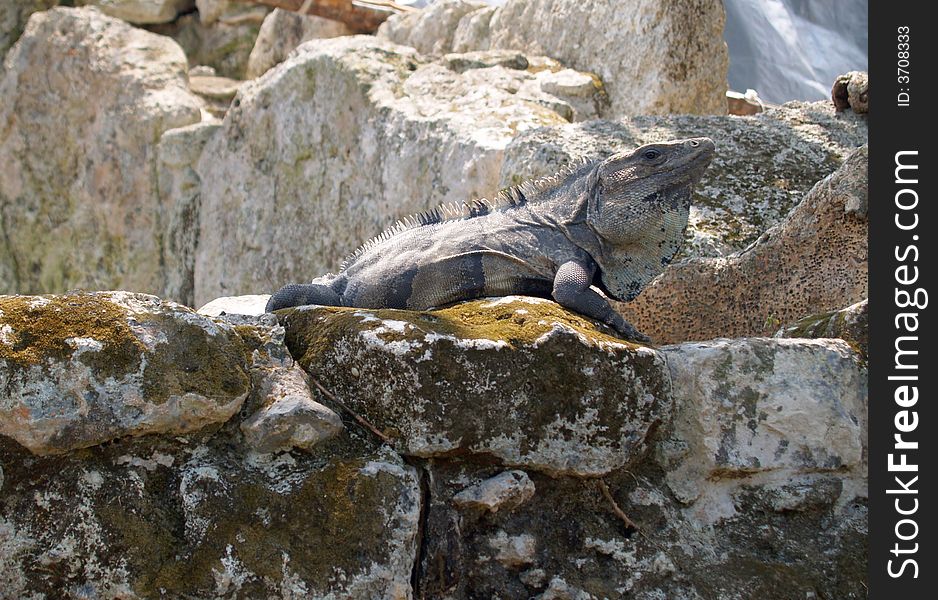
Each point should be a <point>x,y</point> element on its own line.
<point>301,294</point>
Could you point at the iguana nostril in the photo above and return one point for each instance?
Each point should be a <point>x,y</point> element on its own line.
<point>694,143</point>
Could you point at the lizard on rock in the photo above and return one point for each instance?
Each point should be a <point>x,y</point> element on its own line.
<point>613,224</point>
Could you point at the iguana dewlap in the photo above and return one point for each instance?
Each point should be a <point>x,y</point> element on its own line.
<point>611,224</point>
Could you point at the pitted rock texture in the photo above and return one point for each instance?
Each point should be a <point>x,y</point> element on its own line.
<point>504,491</point>
<point>517,378</point>
<point>13,17</point>
<point>79,203</point>
<point>763,167</point>
<point>653,58</point>
<point>159,518</point>
<point>851,324</point>
<point>852,90</point>
<point>779,541</point>
<point>750,481</point>
<point>755,406</point>
<point>82,369</point>
<point>392,134</point>
<point>813,261</point>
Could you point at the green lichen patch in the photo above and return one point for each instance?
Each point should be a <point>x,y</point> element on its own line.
<point>195,361</point>
<point>40,329</point>
<point>516,322</point>
<point>491,376</point>
<point>159,519</point>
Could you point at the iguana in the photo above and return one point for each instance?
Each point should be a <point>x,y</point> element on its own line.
<point>613,224</point>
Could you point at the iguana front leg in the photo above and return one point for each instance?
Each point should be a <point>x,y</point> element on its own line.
<point>572,290</point>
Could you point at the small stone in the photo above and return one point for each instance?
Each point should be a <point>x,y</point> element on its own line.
<point>290,417</point>
<point>214,87</point>
<point>534,578</point>
<point>251,305</point>
<point>506,490</point>
<point>202,71</point>
<point>852,90</point>
<point>513,551</point>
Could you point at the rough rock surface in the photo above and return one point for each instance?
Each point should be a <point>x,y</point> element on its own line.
<point>231,12</point>
<point>13,17</point>
<point>852,90</point>
<point>431,30</point>
<point>222,37</point>
<point>756,406</point>
<point>750,483</point>
<point>79,370</point>
<point>520,379</point>
<point>851,324</point>
<point>140,12</point>
<point>287,192</point>
<point>813,261</point>
<point>281,32</point>
<point>79,200</point>
<point>179,193</point>
<point>740,500</point>
<point>283,412</point>
<point>653,58</point>
<point>166,518</point>
<point>764,164</point>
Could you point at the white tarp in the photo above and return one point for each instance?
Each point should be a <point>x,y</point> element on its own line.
<point>794,49</point>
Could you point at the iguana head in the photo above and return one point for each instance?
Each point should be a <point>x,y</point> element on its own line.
<point>638,208</point>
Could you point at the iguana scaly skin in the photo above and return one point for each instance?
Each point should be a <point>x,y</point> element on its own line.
<point>613,224</point>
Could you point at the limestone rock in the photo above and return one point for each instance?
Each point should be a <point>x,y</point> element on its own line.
<point>653,59</point>
<point>568,542</point>
<point>281,32</point>
<point>79,198</point>
<point>236,305</point>
<point>513,551</point>
<point>760,406</point>
<point>230,12</point>
<point>81,369</point>
<point>813,261</point>
<point>290,417</point>
<point>178,153</point>
<point>852,90</point>
<point>13,17</point>
<point>280,413</point>
<point>851,324</point>
<point>519,379</point>
<point>287,192</point>
<point>141,12</point>
<point>162,518</point>
<point>756,467</point>
<point>506,490</point>
<point>430,30</point>
<point>222,42</point>
<point>763,167</point>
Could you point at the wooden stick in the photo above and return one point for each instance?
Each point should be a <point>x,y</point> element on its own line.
<point>361,421</point>
<point>361,16</point>
<point>615,507</point>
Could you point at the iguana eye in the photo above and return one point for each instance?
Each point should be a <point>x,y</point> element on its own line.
<point>651,154</point>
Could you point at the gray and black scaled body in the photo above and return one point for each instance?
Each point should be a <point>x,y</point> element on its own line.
<point>610,224</point>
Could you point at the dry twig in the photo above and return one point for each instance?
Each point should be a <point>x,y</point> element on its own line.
<point>361,420</point>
